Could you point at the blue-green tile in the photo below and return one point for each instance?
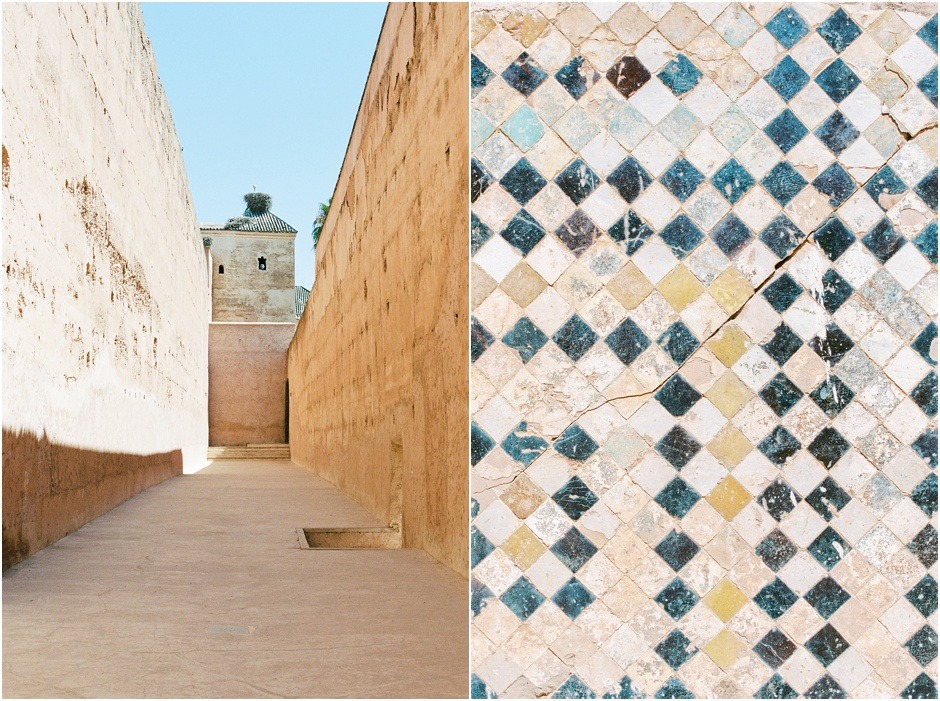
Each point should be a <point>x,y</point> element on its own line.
<point>829,548</point>
<point>522,445</point>
<point>827,644</point>
<point>787,78</point>
<point>839,31</point>
<point>775,599</point>
<point>575,337</point>
<point>522,598</point>
<point>680,75</point>
<point>837,80</point>
<point>676,649</point>
<point>787,27</point>
<point>524,74</point>
<point>574,498</point>
<point>575,443</point>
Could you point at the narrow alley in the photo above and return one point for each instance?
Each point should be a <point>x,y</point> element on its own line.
<point>181,405</point>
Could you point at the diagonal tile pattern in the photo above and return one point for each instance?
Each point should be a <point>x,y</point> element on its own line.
<point>704,378</point>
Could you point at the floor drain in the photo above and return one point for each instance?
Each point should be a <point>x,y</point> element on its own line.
<point>378,537</point>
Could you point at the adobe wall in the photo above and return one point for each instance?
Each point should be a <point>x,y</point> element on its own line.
<point>105,313</point>
<point>247,382</point>
<point>378,367</point>
<point>245,293</point>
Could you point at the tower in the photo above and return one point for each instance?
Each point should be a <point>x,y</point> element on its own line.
<point>250,262</point>
<point>252,265</point>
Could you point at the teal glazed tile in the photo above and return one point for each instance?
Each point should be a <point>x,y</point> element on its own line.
<point>836,183</point>
<point>576,444</point>
<point>680,75</point>
<point>480,128</point>
<point>522,598</point>
<point>678,447</point>
<point>575,337</point>
<point>573,598</point>
<point>839,30</point>
<point>788,27</point>
<point>733,181</point>
<point>523,446</point>
<point>524,74</point>
<point>523,232</point>
<point>704,350</point>
<point>677,599</point>
<point>775,648</point>
<point>682,235</point>
<point>776,688</point>
<point>524,128</point>
<point>631,231</point>
<point>630,179</point>
<point>837,132</point>
<point>674,649</point>
<point>577,76</point>
<point>787,78</point>
<point>526,338</point>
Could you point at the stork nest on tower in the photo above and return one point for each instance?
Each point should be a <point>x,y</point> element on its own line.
<point>236,222</point>
<point>258,202</point>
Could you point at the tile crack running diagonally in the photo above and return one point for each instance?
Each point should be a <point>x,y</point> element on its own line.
<point>760,287</point>
<point>704,377</point>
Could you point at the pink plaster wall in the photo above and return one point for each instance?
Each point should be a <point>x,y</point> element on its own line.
<point>247,382</point>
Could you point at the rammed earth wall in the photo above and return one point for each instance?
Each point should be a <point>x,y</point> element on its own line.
<point>248,382</point>
<point>105,310</point>
<point>378,367</point>
<point>704,384</point>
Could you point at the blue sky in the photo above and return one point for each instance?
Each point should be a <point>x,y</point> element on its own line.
<point>264,94</point>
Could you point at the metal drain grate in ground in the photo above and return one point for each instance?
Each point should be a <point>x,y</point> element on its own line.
<point>376,538</point>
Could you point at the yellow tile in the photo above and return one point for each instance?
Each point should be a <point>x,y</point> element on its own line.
<point>629,287</point>
<point>728,498</point>
<point>729,344</point>
<point>729,394</point>
<point>523,284</point>
<point>724,648</point>
<point>730,446</point>
<point>725,599</point>
<point>523,547</point>
<point>927,141</point>
<point>731,290</point>
<point>523,496</point>
<point>525,25</point>
<point>481,24</point>
<point>481,285</point>
<point>680,288</point>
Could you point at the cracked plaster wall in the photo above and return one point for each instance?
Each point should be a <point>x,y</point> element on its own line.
<point>105,309</point>
<point>377,368</point>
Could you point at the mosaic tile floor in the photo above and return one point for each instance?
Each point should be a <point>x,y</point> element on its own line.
<point>704,383</point>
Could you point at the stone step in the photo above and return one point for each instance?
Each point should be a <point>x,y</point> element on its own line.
<point>259,451</point>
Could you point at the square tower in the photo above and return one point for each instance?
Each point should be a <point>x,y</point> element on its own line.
<point>251,260</point>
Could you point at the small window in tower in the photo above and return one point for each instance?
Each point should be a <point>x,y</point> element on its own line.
<point>262,263</point>
<point>221,270</point>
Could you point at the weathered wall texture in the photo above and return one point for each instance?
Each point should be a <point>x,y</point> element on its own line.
<point>245,293</point>
<point>704,385</point>
<point>104,299</point>
<point>247,382</point>
<point>377,368</point>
